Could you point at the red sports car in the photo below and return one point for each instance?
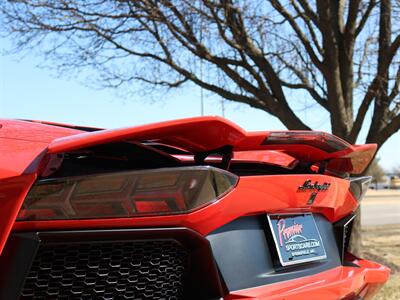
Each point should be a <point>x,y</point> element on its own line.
<point>189,209</point>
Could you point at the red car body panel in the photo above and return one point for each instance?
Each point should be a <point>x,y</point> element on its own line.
<point>209,133</point>
<point>27,149</point>
<point>253,195</point>
<point>338,283</point>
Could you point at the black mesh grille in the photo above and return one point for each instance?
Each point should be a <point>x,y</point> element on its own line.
<point>108,270</point>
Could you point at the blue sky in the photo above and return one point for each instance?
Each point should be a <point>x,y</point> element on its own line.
<point>29,92</point>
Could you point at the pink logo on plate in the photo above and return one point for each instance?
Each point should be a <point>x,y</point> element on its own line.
<point>286,232</point>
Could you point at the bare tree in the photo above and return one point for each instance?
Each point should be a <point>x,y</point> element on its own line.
<point>343,55</point>
<point>376,172</point>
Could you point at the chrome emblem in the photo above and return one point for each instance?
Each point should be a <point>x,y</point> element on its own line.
<point>315,188</point>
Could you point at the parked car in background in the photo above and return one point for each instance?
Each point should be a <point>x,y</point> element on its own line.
<point>394,182</point>
<point>188,209</point>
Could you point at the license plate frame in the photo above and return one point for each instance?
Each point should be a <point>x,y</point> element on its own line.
<point>297,238</point>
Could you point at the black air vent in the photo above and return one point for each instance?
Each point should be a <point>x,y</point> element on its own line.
<point>148,269</point>
<point>343,230</point>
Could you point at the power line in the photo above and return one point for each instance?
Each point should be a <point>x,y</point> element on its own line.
<point>201,64</point>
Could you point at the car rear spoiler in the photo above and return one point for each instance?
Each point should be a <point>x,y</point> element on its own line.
<point>205,134</point>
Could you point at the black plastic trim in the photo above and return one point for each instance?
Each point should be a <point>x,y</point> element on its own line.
<point>203,282</point>
<point>343,229</point>
<point>245,253</point>
<point>15,262</point>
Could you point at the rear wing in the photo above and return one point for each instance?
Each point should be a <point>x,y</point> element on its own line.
<point>205,134</point>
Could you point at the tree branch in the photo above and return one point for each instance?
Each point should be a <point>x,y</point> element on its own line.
<point>288,17</point>
<point>365,16</point>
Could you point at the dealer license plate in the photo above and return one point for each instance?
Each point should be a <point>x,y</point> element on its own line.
<point>297,238</point>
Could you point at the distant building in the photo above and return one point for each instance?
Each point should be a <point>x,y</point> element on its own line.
<point>389,181</point>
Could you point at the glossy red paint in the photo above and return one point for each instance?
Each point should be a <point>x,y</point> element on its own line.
<point>12,190</point>
<point>22,147</point>
<point>22,142</point>
<point>334,284</point>
<point>65,125</point>
<point>31,131</point>
<point>210,133</point>
<point>266,156</point>
<point>252,195</point>
<point>193,134</point>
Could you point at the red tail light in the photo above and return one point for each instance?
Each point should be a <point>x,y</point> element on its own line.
<point>324,141</point>
<point>126,194</point>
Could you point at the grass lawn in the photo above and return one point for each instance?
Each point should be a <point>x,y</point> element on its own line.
<point>382,244</point>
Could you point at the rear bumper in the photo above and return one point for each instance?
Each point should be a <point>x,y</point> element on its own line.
<point>361,279</point>
<point>234,262</point>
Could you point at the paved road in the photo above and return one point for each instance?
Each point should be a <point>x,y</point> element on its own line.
<point>380,208</point>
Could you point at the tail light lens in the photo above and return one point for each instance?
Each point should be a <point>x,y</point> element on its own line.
<point>126,194</point>
<point>324,141</point>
